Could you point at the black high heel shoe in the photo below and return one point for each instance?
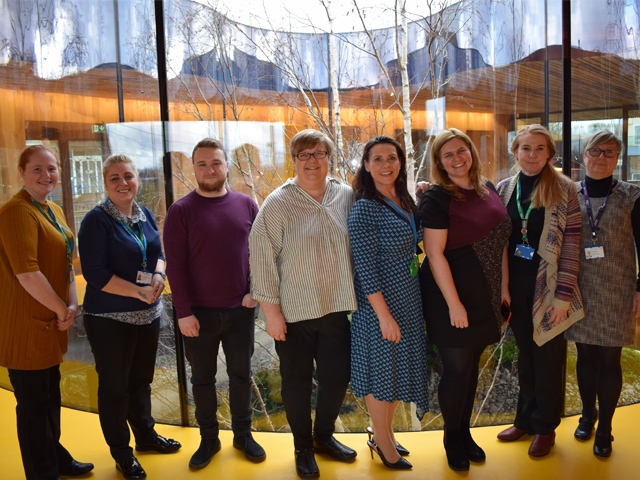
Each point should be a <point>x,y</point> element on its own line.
<point>403,452</point>
<point>401,464</point>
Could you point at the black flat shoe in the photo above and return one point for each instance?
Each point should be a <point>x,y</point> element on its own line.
<point>160,445</point>
<point>75,469</point>
<point>585,427</point>
<point>131,469</point>
<point>403,452</point>
<point>401,464</point>
<point>602,445</point>
<point>306,465</point>
<point>335,449</point>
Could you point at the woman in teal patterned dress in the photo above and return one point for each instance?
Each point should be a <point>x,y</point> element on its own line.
<point>388,343</point>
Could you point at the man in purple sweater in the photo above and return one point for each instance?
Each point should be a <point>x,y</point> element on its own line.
<point>206,245</point>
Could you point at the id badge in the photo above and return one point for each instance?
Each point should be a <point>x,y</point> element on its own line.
<point>144,278</point>
<point>415,266</point>
<point>594,251</point>
<point>524,251</point>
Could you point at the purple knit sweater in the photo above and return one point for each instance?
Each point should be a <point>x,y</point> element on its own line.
<point>207,251</point>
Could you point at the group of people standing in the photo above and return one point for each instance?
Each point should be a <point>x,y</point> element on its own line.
<point>560,259</point>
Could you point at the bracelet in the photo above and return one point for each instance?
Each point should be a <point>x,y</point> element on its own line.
<point>162,274</point>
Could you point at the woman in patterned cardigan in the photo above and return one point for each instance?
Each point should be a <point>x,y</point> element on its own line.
<point>543,252</point>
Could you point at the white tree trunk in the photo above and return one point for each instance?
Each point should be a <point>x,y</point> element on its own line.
<point>333,82</point>
<point>402,45</point>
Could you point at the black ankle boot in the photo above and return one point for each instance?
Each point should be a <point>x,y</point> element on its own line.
<point>471,448</point>
<point>456,455</point>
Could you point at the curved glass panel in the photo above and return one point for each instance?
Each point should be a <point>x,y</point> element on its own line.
<point>83,77</point>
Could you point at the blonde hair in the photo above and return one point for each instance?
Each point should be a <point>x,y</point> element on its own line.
<point>118,158</point>
<point>549,190</point>
<point>439,176</point>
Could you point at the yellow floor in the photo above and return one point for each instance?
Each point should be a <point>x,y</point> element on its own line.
<point>569,459</point>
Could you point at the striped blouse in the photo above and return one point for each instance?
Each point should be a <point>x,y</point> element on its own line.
<point>300,255</point>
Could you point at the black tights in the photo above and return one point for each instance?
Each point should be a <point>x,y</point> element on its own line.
<point>457,389</point>
<point>599,375</point>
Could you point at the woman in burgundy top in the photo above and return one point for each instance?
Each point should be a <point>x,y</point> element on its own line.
<point>464,280</point>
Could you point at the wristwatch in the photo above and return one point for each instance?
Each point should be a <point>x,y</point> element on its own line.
<point>162,274</point>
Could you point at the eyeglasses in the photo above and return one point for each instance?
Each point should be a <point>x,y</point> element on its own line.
<point>319,155</point>
<point>595,152</point>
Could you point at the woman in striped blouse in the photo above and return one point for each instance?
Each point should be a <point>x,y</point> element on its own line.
<point>301,273</point>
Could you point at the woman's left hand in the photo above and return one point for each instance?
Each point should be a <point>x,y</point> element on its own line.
<point>556,315</point>
<point>157,283</point>
<point>69,318</point>
<point>390,328</point>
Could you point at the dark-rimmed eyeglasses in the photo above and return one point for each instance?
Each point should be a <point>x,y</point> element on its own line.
<point>595,152</point>
<point>319,155</point>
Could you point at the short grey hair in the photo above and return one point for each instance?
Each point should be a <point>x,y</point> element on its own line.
<point>602,136</point>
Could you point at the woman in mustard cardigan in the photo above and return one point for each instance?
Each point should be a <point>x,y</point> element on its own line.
<point>38,303</point>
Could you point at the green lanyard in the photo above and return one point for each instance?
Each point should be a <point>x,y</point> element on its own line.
<point>140,239</point>
<point>69,242</point>
<point>523,216</point>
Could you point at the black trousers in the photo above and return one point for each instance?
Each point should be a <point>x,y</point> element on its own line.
<point>125,357</point>
<point>234,328</point>
<point>327,341</point>
<point>540,368</point>
<point>37,393</point>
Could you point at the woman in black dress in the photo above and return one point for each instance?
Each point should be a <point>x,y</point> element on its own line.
<point>464,280</point>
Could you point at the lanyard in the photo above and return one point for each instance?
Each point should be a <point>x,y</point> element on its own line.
<point>523,216</point>
<point>140,239</point>
<point>593,223</point>
<point>68,242</point>
<point>412,220</point>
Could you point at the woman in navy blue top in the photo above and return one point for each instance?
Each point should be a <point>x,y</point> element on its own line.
<point>122,262</point>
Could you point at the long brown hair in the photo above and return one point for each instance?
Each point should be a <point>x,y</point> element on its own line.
<point>364,185</point>
<point>549,190</point>
<point>439,176</point>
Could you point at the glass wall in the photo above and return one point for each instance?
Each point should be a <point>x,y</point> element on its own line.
<point>84,77</point>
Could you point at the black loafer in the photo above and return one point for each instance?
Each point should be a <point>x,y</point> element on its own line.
<point>131,469</point>
<point>335,449</point>
<point>75,469</point>
<point>160,445</point>
<point>306,465</point>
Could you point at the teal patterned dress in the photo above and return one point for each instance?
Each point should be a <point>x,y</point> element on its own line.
<point>383,246</point>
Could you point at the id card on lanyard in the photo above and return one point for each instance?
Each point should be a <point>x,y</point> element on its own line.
<point>594,250</point>
<point>143,277</point>
<point>523,250</point>
<point>414,266</point>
